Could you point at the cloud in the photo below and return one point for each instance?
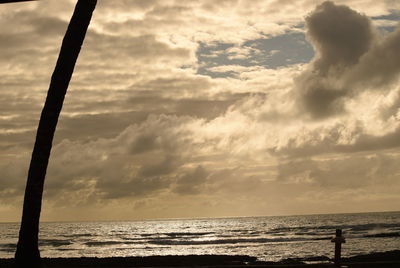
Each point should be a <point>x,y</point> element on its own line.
<point>340,36</point>
<point>233,68</point>
<point>12,169</point>
<point>191,182</point>
<point>351,58</point>
<point>141,160</point>
<point>144,130</point>
<point>378,68</point>
<point>137,48</point>
<point>339,173</point>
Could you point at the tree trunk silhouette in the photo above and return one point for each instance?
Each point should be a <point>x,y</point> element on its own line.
<point>27,253</point>
<point>15,1</point>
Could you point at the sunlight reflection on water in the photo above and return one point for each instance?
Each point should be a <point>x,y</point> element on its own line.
<point>268,238</point>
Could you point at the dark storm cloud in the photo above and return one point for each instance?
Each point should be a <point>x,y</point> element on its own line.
<point>350,58</point>
<point>340,36</point>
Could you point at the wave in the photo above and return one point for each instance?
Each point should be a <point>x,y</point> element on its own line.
<point>42,242</point>
<point>392,234</point>
<point>54,242</point>
<point>188,234</point>
<point>231,241</point>
<point>146,235</point>
<point>8,250</point>
<point>102,243</point>
<point>330,228</point>
<point>107,243</point>
<point>132,238</point>
<point>372,226</point>
<point>178,234</point>
<point>9,247</point>
<point>78,235</point>
<point>313,233</point>
<point>66,249</point>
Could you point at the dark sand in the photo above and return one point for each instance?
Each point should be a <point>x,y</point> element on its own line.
<point>383,259</point>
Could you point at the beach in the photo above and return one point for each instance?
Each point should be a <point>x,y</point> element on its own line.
<point>380,259</point>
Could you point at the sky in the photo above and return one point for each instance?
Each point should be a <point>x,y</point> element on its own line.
<point>203,108</point>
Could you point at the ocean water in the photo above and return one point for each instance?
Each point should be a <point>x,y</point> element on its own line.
<point>268,238</point>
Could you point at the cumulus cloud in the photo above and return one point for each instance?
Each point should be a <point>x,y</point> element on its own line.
<point>350,58</point>
<point>339,34</point>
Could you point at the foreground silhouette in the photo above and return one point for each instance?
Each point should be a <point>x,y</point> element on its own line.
<point>27,253</point>
<point>15,1</point>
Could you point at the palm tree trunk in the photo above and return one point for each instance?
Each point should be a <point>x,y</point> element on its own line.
<point>27,253</point>
<point>15,1</point>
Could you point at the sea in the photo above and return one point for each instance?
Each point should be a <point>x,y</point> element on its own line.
<point>267,238</point>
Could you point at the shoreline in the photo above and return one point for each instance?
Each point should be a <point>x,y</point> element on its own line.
<point>378,259</point>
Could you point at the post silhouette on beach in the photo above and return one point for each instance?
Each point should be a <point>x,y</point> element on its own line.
<point>338,240</point>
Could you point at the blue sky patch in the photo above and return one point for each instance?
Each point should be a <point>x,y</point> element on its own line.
<point>278,51</point>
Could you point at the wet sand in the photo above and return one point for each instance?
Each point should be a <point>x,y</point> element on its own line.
<point>375,260</point>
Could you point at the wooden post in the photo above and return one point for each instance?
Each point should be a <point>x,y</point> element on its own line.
<point>338,240</point>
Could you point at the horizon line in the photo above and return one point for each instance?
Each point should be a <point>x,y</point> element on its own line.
<point>206,218</point>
